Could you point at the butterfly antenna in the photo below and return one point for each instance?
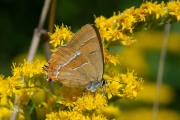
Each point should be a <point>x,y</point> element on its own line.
<point>116,81</point>
<point>109,90</point>
<point>104,82</point>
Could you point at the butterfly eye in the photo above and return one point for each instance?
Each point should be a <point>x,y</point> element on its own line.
<point>104,82</point>
<point>48,79</point>
<point>45,67</point>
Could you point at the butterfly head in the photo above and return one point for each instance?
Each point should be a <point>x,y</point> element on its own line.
<point>49,78</point>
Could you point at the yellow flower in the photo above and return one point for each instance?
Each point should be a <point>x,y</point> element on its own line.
<point>123,85</point>
<point>6,102</point>
<point>98,117</point>
<point>82,105</point>
<point>5,113</point>
<point>140,14</point>
<point>127,20</point>
<point>10,85</point>
<point>60,36</point>
<point>16,85</point>
<point>116,27</point>
<point>100,22</point>
<point>121,27</point>
<point>132,85</point>
<point>86,102</point>
<point>109,58</point>
<point>72,115</point>
<point>154,8</point>
<point>174,9</point>
<point>113,86</point>
<point>66,115</point>
<point>104,28</point>
<point>28,69</point>
<point>90,102</point>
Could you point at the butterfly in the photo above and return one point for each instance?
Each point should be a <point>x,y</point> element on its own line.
<point>79,63</point>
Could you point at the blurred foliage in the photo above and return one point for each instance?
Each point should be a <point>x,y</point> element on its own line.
<point>146,54</point>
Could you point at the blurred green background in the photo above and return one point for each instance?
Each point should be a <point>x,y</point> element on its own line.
<point>19,18</point>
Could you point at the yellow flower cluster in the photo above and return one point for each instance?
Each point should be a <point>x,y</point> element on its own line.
<point>79,108</point>
<point>90,102</point>
<point>132,86</point>
<point>5,112</point>
<point>124,85</point>
<point>120,27</point>
<point>28,69</point>
<point>110,28</point>
<point>20,83</point>
<point>61,36</point>
<point>9,85</point>
<point>111,58</point>
<point>174,9</point>
<point>73,115</point>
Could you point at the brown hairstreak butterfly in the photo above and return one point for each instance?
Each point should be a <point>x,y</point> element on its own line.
<point>80,62</point>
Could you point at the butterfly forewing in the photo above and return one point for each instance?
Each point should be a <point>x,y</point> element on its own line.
<point>80,61</point>
<point>89,36</point>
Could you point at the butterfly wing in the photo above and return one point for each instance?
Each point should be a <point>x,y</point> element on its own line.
<point>88,41</point>
<point>80,61</point>
<point>70,67</point>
